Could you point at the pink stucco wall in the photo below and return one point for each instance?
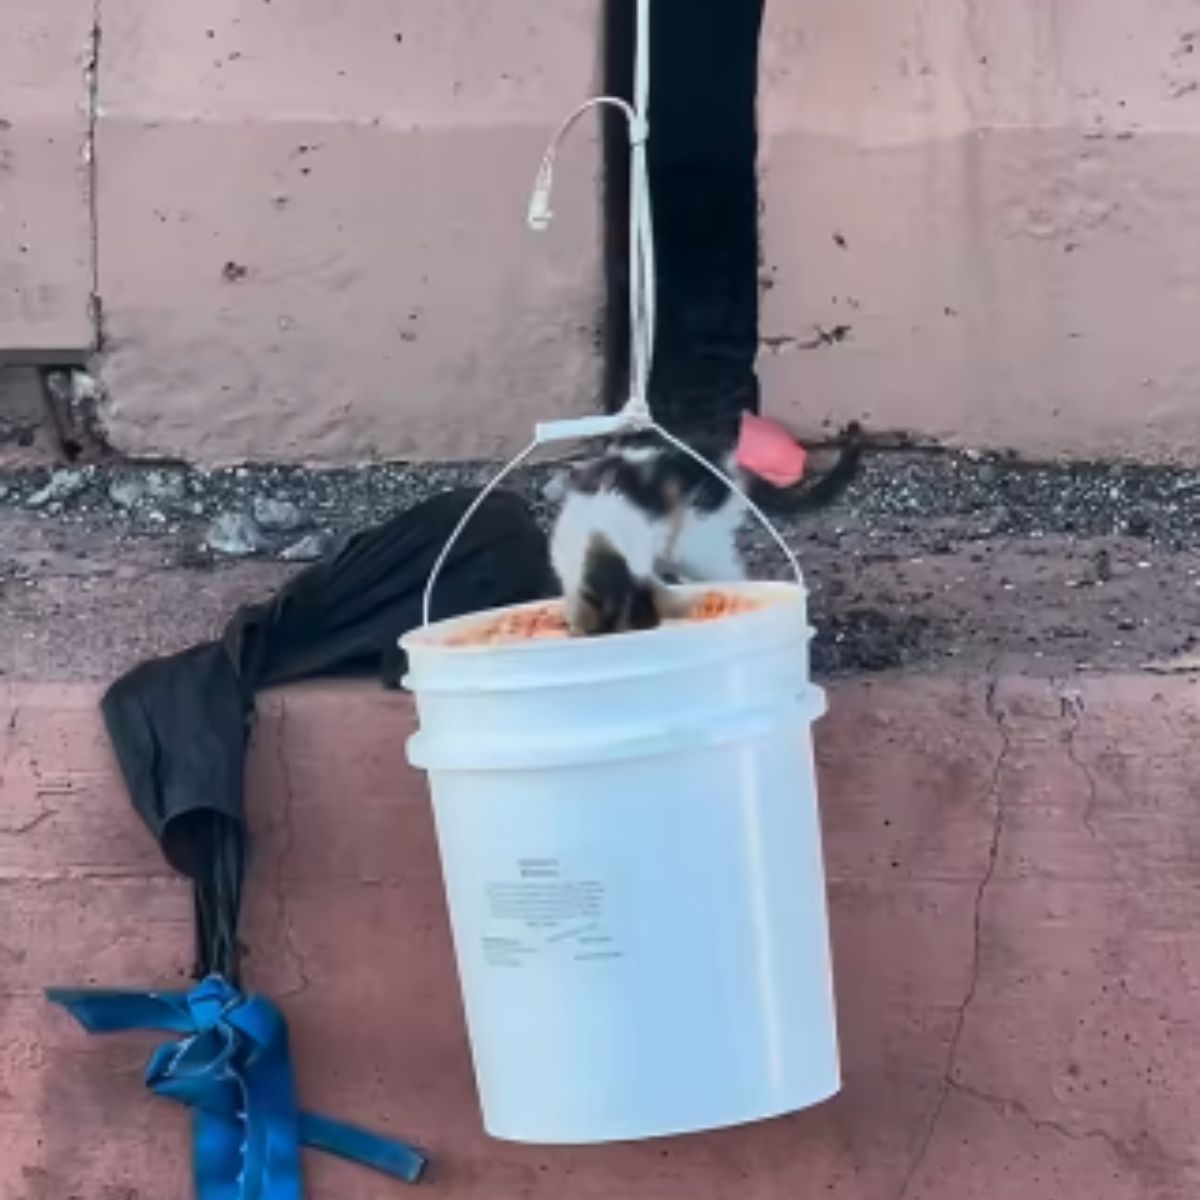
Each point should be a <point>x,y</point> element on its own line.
<point>1012,876</point>
<point>369,166</point>
<point>310,219</point>
<point>997,200</point>
<point>45,227</point>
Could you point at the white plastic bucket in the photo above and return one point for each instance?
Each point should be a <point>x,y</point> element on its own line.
<point>630,842</point>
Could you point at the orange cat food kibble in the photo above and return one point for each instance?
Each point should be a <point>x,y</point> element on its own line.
<point>714,605</point>
<point>529,625</point>
<point>547,622</point>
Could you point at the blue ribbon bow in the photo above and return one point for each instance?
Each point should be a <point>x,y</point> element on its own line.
<point>232,1068</point>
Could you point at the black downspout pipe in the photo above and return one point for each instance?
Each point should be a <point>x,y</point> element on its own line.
<point>619,35</point>
<point>703,150</point>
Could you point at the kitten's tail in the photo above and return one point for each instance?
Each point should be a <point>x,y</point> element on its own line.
<point>808,496</point>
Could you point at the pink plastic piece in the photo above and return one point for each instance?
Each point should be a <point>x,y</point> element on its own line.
<point>767,450</point>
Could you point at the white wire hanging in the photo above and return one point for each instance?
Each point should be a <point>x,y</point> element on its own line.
<point>642,283</point>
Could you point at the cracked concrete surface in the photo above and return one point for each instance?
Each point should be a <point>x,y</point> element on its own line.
<point>283,858</point>
<point>1012,874</point>
<point>995,801</point>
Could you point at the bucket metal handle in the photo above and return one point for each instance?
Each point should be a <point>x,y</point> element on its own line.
<point>636,412</point>
<point>632,417</point>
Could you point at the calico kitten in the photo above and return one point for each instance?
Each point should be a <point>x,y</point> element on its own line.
<point>644,515</point>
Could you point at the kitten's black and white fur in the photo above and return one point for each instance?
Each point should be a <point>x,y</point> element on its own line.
<point>644,515</point>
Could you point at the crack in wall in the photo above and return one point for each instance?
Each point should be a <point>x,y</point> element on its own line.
<point>1072,711</point>
<point>1011,1104</point>
<point>42,788</point>
<point>92,101</point>
<point>14,718</point>
<point>1132,1152</point>
<point>995,800</point>
<point>1142,1153</point>
<point>30,825</point>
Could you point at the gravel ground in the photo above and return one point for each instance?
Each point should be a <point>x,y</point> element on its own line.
<point>931,561</point>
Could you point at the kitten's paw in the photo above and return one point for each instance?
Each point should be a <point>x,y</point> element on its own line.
<point>554,490</point>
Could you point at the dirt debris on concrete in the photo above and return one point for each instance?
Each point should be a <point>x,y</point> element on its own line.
<point>932,561</point>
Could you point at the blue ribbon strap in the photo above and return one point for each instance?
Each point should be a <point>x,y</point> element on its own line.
<point>233,1069</point>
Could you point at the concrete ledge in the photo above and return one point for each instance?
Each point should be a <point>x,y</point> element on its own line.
<point>1012,873</point>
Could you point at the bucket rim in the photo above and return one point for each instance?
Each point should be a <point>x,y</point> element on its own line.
<point>425,639</point>
<point>426,684</point>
